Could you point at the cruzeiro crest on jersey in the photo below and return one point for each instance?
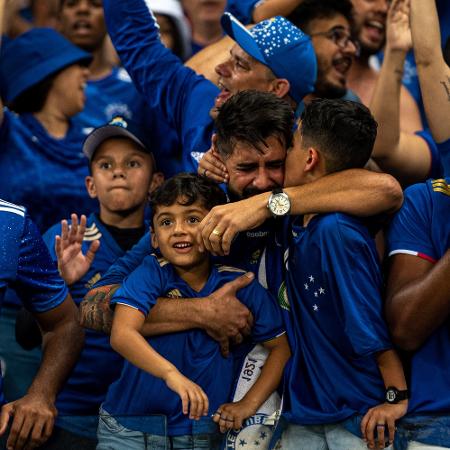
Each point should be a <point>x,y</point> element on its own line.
<point>441,185</point>
<point>254,435</point>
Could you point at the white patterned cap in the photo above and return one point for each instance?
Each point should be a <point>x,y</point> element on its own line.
<point>281,46</point>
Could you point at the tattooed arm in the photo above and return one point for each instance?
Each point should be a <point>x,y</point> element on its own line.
<point>434,73</point>
<point>220,314</point>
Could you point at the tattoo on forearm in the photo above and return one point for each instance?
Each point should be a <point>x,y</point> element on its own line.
<point>446,85</point>
<point>95,312</point>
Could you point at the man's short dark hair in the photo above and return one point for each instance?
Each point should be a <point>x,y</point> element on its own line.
<point>310,10</point>
<point>192,188</point>
<point>252,117</point>
<point>343,131</point>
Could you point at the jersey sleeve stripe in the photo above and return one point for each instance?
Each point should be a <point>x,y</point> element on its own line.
<point>413,253</point>
<point>9,209</point>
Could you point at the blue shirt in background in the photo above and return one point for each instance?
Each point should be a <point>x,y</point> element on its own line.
<point>175,94</point>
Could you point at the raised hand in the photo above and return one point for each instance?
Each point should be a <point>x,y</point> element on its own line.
<point>194,400</point>
<point>398,27</point>
<point>72,263</point>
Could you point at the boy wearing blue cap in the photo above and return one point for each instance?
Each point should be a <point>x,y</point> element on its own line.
<point>149,404</point>
<point>122,174</point>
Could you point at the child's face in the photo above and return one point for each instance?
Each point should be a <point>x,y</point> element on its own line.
<point>175,230</point>
<point>121,175</point>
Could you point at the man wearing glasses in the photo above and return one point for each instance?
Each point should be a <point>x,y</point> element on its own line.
<point>328,23</point>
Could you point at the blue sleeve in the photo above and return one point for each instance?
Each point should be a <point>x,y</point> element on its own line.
<point>268,322</point>
<point>242,9</point>
<point>127,263</point>
<point>37,282</point>
<point>436,166</point>
<point>354,278</point>
<point>444,152</point>
<point>142,288</point>
<point>5,129</point>
<point>49,239</point>
<point>177,92</point>
<point>410,229</point>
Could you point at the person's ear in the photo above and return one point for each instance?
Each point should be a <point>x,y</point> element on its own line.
<point>156,182</point>
<point>312,160</point>
<point>154,239</point>
<point>281,87</point>
<point>90,186</point>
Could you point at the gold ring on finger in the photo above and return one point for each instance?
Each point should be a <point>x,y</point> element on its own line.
<point>217,233</point>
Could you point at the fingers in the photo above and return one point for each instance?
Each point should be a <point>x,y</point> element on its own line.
<point>198,402</point>
<point>6,412</point>
<point>391,428</point>
<point>90,254</point>
<point>380,435</point>
<point>225,347</point>
<point>240,282</point>
<point>212,167</point>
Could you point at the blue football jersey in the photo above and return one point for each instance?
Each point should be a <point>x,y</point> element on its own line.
<point>422,228</point>
<point>333,283</point>
<point>175,93</point>
<point>25,263</point>
<point>193,352</point>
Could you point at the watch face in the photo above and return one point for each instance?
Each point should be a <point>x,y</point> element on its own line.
<point>391,395</point>
<point>279,204</point>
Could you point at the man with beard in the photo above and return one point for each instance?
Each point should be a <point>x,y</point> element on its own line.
<point>183,100</point>
<point>254,131</point>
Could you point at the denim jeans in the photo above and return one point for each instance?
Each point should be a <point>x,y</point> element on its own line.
<point>419,446</point>
<point>320,437</point>
<point>113,436</point>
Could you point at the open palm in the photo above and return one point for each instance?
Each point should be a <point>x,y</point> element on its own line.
<point>73,264</point>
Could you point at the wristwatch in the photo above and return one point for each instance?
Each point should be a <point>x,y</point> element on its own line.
<point>279,203</point>
<point>393,395</point>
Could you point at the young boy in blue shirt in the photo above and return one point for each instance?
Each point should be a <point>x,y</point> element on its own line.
<point>167,377</point>
<point>345,387</point>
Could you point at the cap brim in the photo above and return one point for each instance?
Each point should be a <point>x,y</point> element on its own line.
<point>237,31</point>
<point>99,135</point>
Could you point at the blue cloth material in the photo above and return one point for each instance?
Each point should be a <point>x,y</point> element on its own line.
<point>436,169</point>
<point>33,56</point>
<point>26,265</point>
<point>98,365</point>
<point>242,9</point>
<point>426,429</point>
<point>333,283</point>
<point>193,352</point>
<point>116,95</point>
<point>422,228</point>
<point>444,152</point>
<point>282,47</point>
<point>44,174</point>
<point>175,94</point>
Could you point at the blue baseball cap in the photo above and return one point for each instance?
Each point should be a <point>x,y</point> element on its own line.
<point>282,47</point>
<point>32,57</point>
<point>117,127</point>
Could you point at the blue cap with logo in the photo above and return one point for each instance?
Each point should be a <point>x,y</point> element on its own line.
<point>281,46</point>
<point>32,57</point>
<point>117,127</point>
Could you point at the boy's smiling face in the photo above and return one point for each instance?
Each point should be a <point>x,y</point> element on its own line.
<point>175,230</point>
